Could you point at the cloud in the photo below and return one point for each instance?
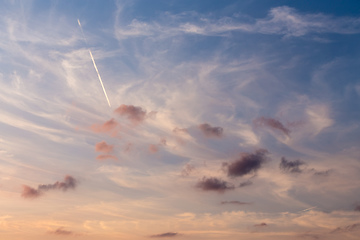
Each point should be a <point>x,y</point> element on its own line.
<point>133,113</point>
<point>348,228</point>
<point>69,183</point>
<point>106,156</point>
<point>29,192</point>
<point>214,184</point>
<point>271,123</point>
<point>210,131</point>
<point>235,202</point>
<point>357,208</point>
<point>180,130</point>
<point>246,183</point>
<point>248,163</point>
<point>168,234</point>
<point>107,127</point>
<point>153,148</point>
<point>104,147</point>
<point>61,231</point>
<point>187,170</point>
<point>261,225</point>
<point>291,166</point>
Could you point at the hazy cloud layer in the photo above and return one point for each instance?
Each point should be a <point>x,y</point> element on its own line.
<point>210,131</point>
<point>291,166</point>
<point>271,123</point>
<point>69,183</point>
<point>214,184</point>
<point>246,164</point>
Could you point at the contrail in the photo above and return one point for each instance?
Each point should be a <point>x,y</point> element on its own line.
<point>93,60</point>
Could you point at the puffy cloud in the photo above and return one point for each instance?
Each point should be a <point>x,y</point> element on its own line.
<point>235,202</point>
<point>248,163</point>
<point>163,235</point>
<point>29,192</point>
<point>133,113</point>
<point>291,166</point>
<point>109,126</point>
<point>214,184</point>
<point>61,231</point>
<point>69,183</point>
<point>210,131</point>
<point>271,123</point>
<point>104,147</point>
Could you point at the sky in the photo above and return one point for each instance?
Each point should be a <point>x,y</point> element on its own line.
<point>179,119</point>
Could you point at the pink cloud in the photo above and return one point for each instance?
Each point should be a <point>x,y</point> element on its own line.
<point>106,156</point>
<point>62,232</point>
<point>104,147</point>
<point>29,192</point>
<point>133,113</point>
<point>153,148</point>
<point>110,126</point>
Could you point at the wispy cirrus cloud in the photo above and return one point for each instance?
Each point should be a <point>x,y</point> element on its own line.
<point>271,123</point>
<point>281,20</point>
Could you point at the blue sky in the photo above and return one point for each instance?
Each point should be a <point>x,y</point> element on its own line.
<point>227,120</point>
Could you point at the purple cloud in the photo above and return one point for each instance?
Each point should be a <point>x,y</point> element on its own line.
<point>291,166</point>
<point>214,184</point>
<point>271,123</point>
<point>168,234</point>
<point>210,131</point>
<point>248,163</point>
<point>29,192</point>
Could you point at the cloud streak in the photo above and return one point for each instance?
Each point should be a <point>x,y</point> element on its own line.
<point>68,183</point>
<point>271,123</point>
<point>165,235</point>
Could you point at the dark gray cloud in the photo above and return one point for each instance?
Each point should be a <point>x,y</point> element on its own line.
<point>214,184</point>
<point>357,208</point>
<point>163,235</point>
<point>235,202</point>
<point>246,183</point>
<point>291,166</point>
<point>248,163</point>
<point>348,228</point>
<point>210,131</point>
<point>68,183</point>
<point>271,123</point>
<point>261,225</point>
<point>133,113</point>
<point>61,231</point>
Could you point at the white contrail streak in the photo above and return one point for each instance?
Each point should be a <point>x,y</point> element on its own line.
<point>93,60</point>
